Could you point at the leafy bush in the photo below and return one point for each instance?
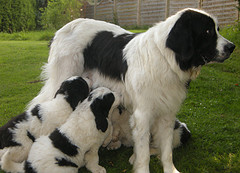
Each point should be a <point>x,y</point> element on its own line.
<point>41,4</point>
<point>45,35</point>
<point>17,15</point>
<point>59,12</point>
<point>238,7</point>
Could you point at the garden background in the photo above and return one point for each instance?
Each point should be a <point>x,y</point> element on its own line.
<point>211,110</point>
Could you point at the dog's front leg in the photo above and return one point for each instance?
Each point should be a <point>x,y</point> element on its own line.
<point>140,125</point>
<point>91,159</point>
<point>163,140</point>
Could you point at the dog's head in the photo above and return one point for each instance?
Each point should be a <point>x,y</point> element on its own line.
<point>103,101</point>
<point>196,41</point>
<point>75,90</point>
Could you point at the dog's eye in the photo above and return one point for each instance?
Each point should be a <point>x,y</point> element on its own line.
<point>208,32</point>
<point>218,29</point>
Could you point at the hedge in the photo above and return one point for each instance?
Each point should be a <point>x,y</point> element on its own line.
<point>17,15</point>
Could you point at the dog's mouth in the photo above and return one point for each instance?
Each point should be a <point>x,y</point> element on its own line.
<point>221,56</point>
<point>220,59</point>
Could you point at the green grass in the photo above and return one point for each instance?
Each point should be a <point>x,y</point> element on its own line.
<point>211,110</point>
<point>20,63</point>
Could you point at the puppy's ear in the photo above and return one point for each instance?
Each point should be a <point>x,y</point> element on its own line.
<point>107,102</point>
<point>180,40</point>
<point>100,108</point>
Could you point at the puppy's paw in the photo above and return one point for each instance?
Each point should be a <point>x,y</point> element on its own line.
<point>132,159</point>
<point>99,169</point>
<point>114,145</point>
<point>2,152</point>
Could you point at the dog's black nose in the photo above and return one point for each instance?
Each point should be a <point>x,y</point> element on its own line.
<point>229,47</point>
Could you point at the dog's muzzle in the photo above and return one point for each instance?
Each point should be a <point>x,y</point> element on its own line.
<point>227,50</point>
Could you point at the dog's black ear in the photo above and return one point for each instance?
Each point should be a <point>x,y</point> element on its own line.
<point>180,40</point>
<point>75,91</point>
<point>107,101</point>
<point>100,108</point>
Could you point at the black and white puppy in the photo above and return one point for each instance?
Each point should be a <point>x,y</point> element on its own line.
<point>150,69</point>
<point>77,141</point>
<point>18,135</point>
<point>122,132</point>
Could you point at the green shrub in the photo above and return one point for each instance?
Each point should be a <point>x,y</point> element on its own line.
<point>59,12</point>
<point>45,35</point>
<point>17,15</point>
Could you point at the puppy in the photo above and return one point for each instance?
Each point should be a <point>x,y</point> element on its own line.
<point>18,135</point>
<point>122,132</point>
<point>77,141</point>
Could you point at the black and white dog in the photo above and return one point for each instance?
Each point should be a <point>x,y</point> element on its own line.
<point>18,135</point>
<point>150,69</point>
<point>77,141</point>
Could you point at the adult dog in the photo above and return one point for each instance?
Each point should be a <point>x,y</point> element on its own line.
<point>150,69</point>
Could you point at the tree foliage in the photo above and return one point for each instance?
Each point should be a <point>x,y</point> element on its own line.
<point>25,15</point>
<point>17,15</point>
<point>238,7</point>
<point>59,12</point>
<point>41,4</point>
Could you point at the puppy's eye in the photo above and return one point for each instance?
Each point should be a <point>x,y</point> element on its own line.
<point>218,29</point>
<point>208,32</point>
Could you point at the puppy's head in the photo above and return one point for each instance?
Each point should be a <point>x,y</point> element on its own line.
<point>181,134</point>
<point>75,90</point>
<point>196,41</point>
<point>103,101</point>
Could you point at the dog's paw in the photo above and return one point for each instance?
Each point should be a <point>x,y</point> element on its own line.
<point>114,145</point>
<point>132,159</point>
<point>99,169</point>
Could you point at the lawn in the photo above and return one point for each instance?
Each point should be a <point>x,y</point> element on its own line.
<point>211,110</point>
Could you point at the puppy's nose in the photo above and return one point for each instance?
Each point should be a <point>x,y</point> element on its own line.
<point>229,47</point>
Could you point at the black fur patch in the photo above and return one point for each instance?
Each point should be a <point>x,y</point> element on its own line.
<point>177,124</point>
<point>100,108</point>
<point>61,142</point>
<point>65,162</point>
<point>35,112</point>
<point>120,109</point>
<point>6,136</point>
<point>193,38</point>
<point>28,167</point>
<point>188,84</point>
<point>186,135</point>
<point>105,54</point>
<point>31,136</point>
<point>90,97</point>
<point>75,91</point>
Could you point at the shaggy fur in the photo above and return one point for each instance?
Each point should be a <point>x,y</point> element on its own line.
<point>18,135</point>
<point>150,69</point>
<point>77,141</point>
<point>122,132</point>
